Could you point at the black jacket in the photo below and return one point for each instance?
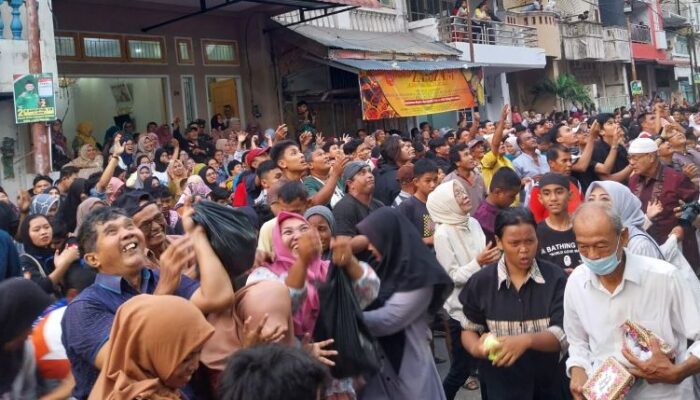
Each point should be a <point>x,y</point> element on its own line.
<point>386,186</point>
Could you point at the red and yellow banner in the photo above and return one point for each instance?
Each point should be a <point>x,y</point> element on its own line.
<point>392,94</point>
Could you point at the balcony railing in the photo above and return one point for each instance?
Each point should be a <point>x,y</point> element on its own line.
<point>456,29</point>
<point>14,9</point>
<point>640,34</point>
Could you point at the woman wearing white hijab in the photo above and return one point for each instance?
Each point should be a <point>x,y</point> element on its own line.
<point>629,207</point>
<point>460,247</point>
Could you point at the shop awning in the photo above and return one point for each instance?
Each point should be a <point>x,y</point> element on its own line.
<point>379,65</point>
<point>408,44</point>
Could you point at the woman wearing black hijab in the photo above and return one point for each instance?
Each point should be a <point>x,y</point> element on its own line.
<point>40,262</point>
<point>21,302</point>
<point>68,210</point>
<point>400,316</point>
<point>209,176</point>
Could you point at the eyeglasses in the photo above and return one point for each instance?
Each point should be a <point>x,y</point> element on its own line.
<point>148,224</point>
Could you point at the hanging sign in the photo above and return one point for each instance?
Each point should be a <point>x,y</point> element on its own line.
<point>34,98</point>
<point>636,88</point>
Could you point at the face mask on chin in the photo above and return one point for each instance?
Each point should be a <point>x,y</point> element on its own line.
<point>606,265</point>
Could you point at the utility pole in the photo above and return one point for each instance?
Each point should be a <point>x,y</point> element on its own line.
<point>40,140</point>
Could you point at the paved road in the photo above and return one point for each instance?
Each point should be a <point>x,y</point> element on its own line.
<point>441,352</point>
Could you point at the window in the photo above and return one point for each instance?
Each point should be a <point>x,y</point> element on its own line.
<point>146,49</point>
<point>183,47</point>
<point>220,52</point>
<point>188,97</point>
<point>102,47</point>
<point>387,3</point>
<point>67,46</point>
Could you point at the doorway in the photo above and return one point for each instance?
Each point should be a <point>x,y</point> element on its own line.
<point>224,92</point>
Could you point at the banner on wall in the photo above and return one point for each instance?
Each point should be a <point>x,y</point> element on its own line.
<point>34,98</point>
<point>392,94</point>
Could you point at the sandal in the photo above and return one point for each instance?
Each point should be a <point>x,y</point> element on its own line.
<point>472,383</point>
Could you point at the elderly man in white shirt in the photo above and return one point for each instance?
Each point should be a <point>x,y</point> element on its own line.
<point>613,286</point>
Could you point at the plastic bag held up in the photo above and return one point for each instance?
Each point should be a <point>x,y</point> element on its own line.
<point>340,318</point>
<point>230,233</point>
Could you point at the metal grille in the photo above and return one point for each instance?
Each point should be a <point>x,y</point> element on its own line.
<point>102,47</point>
<point>188,96</point>
<point>184,51</point>
<point>145,49</point>
<point>220,52</point>
<point>65,46</point>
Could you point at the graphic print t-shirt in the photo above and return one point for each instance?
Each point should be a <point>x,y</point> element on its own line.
<point>558,247</point>
<point>417,212</point>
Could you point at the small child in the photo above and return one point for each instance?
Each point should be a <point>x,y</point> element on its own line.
<point>425,180</point>
<point>504,189</point>
<point>405,177</point>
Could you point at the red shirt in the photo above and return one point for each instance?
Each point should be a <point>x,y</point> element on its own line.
<point>540,212</point>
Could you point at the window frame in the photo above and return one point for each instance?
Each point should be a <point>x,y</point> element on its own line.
<point>122,48</point>
<point>77,44</point>
<point>207,61</point>
<point>190,45</point>
<point>146,38</point>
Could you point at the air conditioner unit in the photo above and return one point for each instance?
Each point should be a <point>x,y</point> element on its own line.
<point>661,40</point>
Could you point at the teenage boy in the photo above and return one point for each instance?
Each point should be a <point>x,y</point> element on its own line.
<point>505,187</point>
<point>292,162</point>
<point>268,174</point>
<point>425,179</point>
<point>405,178</point>
<point>555,233</point>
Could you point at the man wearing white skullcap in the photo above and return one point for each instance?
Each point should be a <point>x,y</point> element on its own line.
<point>651,180</point>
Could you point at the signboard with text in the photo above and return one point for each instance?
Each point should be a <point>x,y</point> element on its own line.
<point>636,88</point>
<point>392,94</point>
<point>34,98</point>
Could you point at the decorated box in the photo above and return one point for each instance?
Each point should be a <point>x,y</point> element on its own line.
<point>637,339</point>
<point>611,381</point>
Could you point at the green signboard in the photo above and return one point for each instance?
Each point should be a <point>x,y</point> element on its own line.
<point>636,88</point>
<point>34,98</point>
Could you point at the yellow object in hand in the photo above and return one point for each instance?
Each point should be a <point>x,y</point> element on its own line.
<point>492,344</point>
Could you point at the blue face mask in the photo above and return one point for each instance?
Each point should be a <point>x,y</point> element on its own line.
<point>606,265</point>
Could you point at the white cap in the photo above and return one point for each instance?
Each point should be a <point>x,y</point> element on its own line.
<point>643,146</point>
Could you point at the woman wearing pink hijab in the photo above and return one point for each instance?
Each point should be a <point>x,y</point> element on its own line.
<point>298,264</point>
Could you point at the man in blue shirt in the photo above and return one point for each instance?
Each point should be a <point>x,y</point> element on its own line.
<point>114,245</point>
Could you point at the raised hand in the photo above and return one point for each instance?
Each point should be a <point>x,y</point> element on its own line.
<point>281,132</point>
<point>309,246</point>
<point>254,336</point>
<point>489,255</point>
<point>317,350</point>
<point>118,147</point>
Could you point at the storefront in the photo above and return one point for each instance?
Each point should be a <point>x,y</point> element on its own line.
<point>354,79</point>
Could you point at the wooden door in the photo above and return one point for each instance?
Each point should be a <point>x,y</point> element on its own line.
<point>223,92</point>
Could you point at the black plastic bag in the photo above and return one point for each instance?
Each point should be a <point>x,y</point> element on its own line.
<point>340,318</point>
<point>230,233</point>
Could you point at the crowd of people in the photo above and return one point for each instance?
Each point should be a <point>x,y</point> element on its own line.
<point>545,232</point>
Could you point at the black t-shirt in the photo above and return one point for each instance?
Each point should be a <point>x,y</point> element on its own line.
<point>417,212</point>
<point>601,151</point>
<point>586,177</point>
<point>557,247</point>
<point>349,212</point>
